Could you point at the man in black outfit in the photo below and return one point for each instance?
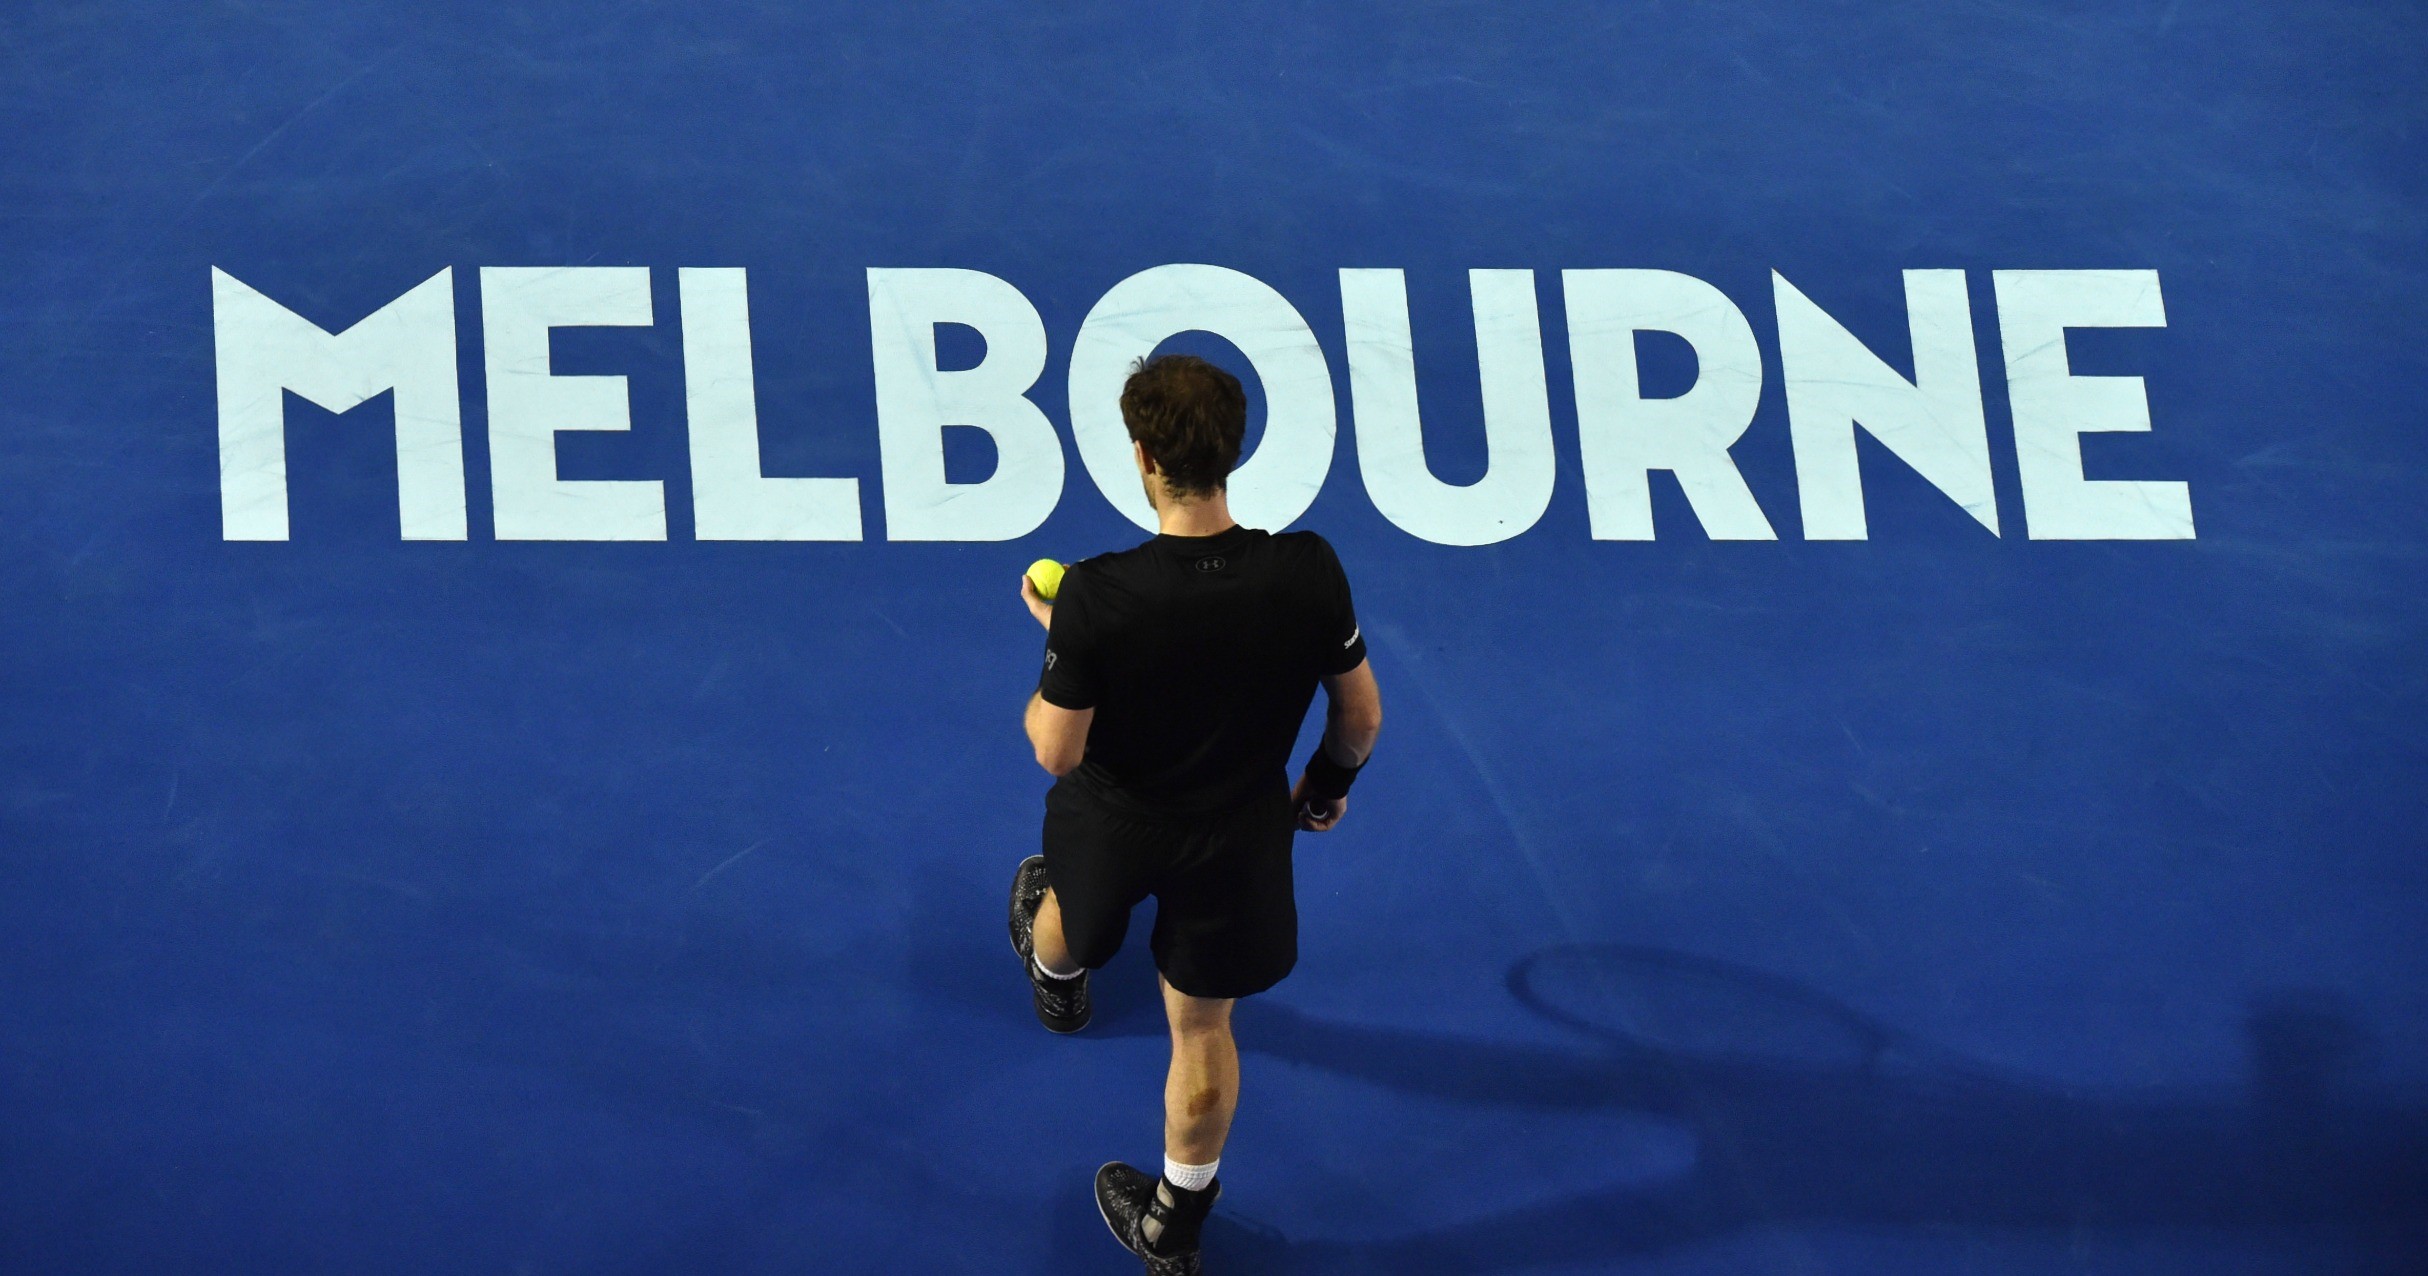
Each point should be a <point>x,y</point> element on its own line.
<point>1176,677</point>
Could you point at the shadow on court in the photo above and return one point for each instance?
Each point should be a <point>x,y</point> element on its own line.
<point>1805,1111</point>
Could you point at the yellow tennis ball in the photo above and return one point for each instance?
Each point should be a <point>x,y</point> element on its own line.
<point>1046,575</point>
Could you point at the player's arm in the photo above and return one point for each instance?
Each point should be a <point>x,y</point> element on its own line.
<point>1058,732</point>
<point>1353,715</point>
<point>1353,718</point>
<point>1059,735</point>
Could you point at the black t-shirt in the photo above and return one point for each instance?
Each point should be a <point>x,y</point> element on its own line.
<point>1200,655</point>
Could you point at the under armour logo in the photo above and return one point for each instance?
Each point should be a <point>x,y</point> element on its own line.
<point>1213,563</point>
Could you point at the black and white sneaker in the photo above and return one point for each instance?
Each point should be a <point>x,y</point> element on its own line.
<point>1062,1004</point>
<point>1127,1198</point>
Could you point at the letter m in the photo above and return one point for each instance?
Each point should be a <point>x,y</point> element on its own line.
<point>406,346</point>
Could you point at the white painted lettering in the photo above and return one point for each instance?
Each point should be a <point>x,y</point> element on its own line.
<point>265,349</point>
<point>1516,487</point>
<point>731,498</point>
<point>529,405</point>
<point>2053,407</point>
<point>916,401</point>
<point>1623,435</point>
<point>1273,487</point>
<point>1932,423</point>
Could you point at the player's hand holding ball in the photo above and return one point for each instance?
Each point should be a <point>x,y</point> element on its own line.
<point>1038,587</point>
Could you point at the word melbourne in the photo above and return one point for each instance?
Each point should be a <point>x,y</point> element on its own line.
<point>1834,385</point>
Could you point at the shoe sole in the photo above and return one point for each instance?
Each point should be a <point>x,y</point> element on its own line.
<point>1107,1217</point>
<point>1017,874</point>
<point>1050,1026</point>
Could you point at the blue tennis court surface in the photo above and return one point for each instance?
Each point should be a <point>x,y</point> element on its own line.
<point>1852,799</point>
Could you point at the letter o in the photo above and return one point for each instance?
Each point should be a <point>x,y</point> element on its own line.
<point>1272,487</point>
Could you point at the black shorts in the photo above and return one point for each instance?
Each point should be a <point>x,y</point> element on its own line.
<point>1226,916</point>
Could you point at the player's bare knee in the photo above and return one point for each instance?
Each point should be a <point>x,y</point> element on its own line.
<point>1192,1018</point>
<point>1200,1035</point>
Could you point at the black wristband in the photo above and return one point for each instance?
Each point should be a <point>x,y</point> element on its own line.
<point>1327,779</point>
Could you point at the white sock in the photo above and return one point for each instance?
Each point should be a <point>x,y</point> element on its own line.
<point>1055,974</point>
<point>1189,1178</point>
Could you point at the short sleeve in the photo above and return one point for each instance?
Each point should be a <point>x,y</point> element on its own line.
<point>1071,679</point>
<point>1342,644</point>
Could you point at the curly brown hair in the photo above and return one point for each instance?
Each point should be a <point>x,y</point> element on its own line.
<point>1192,417</point>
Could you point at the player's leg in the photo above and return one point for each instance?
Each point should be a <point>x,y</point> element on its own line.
<point>1160,1218</point>
<point>1052,951</point>
<point>1060,992</point>
<point>1202,1089</point>
<point>1071,904</point>
<point>1226,926</point>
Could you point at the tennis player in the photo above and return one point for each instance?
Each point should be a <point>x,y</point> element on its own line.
<point>1176,678</point>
